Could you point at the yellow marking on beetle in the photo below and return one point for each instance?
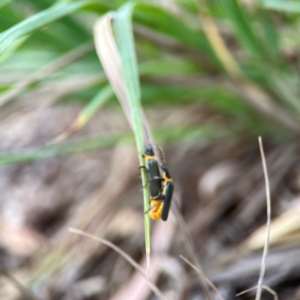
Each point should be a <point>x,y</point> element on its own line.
<point>156,209</point>
<point>165,181</point>
<point>148,157</point>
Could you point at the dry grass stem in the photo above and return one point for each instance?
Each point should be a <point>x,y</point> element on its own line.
<point>153,287</point>
<point>215,289</point>
<point>255,287</point>
<point>189,246</point>
<point>268,199</point>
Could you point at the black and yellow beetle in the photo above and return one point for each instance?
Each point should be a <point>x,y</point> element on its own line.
<point>161,187</point>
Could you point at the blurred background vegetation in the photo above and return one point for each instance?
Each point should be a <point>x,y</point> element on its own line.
<point>214,76</point>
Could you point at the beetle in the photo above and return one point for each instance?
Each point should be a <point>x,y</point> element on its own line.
<point>160,187</point>
<point>153,175</point>
<point>160,206</point>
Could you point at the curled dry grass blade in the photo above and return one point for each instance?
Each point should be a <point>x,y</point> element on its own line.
<point>121,75</point>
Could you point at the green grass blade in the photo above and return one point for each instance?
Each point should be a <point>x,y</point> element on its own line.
<point>158,19</point>
<point>66,148</point>
<point>8,37</point>
<point>270,36</point>
<point>82,145</point>
<point>4,2</point>
<point>241,25</point>
<point>14,46</point>
<point>91,108</point>
<point>125,41</point>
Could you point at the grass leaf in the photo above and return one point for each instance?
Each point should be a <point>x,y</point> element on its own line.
<point>81,145</point>
<point>37,21</point>
<point>242,26</point>
<point>4,2</point>
<point>125,41</point>
<point>77,146</point>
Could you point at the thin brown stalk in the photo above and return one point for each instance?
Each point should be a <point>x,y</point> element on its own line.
<point>189,246</point>
<point>153,287</point>
<point>264,287</point>
<point>268,199</point>
<point>214,288</point>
